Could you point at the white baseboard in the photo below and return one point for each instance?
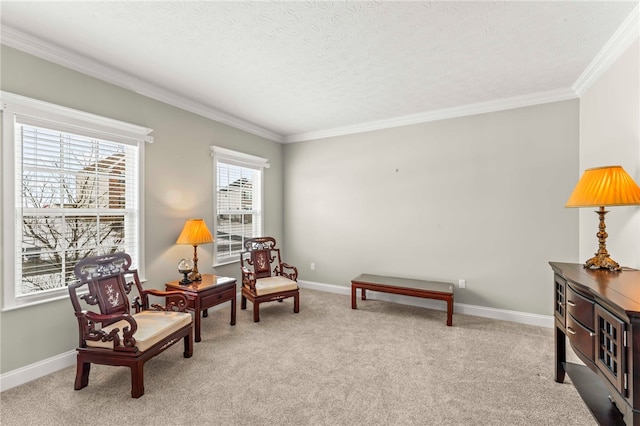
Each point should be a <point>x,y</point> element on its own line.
<point>458,308</point>
<point>36,370</point>
<point>51,365</point>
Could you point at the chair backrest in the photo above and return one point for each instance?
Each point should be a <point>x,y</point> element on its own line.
<point>260,253</point>
<point>108,280</point>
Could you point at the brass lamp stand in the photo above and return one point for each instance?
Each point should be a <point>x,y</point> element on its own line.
<point>602,260</point>
<point>195,275</point>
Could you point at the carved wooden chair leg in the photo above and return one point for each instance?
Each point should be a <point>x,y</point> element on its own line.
<point>296,303</point>
<point>188,345</point>
<point>256,311</point>
<point>243,302</point>
<point>82,374</point>
<point>137,380</point>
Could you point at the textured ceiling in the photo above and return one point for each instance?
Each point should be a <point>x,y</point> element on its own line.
<point>292,70</point>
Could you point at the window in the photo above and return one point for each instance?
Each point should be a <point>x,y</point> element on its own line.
<point>238,207</point>
<point>72,189</point>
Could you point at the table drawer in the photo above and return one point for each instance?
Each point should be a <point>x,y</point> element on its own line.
<point>580,308</point>
<point>580,337</point>
<point>214,299</point>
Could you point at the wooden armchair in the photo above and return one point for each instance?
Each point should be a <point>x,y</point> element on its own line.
<point>109,333</point>
<point>265,277</point>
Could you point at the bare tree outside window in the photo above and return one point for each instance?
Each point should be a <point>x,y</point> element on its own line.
<point>74,204</point>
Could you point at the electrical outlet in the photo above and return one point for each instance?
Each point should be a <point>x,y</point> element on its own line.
<point>462,283</point>
<point>313,266</point>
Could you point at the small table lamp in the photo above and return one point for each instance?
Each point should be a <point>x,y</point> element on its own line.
<point>195,232</point>
<point>600,187</point>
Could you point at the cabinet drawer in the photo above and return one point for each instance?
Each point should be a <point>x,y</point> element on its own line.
<point>580,308</point>
<point>580,337</point>
<point>214,299</point>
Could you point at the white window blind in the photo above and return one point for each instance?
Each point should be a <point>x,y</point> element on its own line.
<point>237,202</point>
<point>76,192</point>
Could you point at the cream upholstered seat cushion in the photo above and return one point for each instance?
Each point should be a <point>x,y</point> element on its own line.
<point>274,285</point>
<point>153,326</point>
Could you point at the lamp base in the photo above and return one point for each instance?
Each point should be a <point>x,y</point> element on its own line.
<point>602,261</point>
<point>195,276</point>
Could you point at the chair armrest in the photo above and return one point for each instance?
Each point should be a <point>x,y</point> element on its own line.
<point>293,275</point>
<point>177,302</point>
<point>88,321</point>
<point>248,278</point>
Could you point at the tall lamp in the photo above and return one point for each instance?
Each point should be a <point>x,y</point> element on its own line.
<point>195,232</point>
<point>600,187</point>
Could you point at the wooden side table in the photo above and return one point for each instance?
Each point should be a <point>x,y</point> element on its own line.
<point>202,295</point>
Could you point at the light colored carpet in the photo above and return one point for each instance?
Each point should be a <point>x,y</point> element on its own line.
<point>382,364</point>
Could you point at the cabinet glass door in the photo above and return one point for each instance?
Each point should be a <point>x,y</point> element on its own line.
<point>560,302</point>
<point>610,353</point>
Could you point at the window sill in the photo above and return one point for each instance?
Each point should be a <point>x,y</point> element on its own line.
<point>33,301</point>
<point>226,262</point>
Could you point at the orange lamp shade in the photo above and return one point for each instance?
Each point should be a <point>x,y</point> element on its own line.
<point>195,232</point>
<point>605,186</point>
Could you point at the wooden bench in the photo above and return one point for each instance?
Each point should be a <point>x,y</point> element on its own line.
<point>406,287</point>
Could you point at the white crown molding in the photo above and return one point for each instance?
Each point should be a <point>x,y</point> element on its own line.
<point>618,43</point>
<point>626,34</point>
<point>459,111</point>
<point>12,37</point>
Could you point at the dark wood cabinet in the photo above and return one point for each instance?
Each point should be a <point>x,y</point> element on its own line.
<point>599,312</point>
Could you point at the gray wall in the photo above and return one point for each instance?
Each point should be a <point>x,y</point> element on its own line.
<point>178,186</point>
<point>609,135</point>
<point>479,198</point>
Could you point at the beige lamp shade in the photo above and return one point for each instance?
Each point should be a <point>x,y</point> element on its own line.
<point>195,232</point>
<point>605,186</point>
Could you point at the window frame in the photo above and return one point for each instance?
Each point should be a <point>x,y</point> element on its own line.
<point>19,108</point>
<point>240,159</point>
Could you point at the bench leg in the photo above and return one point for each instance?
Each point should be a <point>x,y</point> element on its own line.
<point>450,311</point>
<point>353,297</point>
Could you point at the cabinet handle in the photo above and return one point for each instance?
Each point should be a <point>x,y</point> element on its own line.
<point>572,331</point>
<point>571,303</point>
